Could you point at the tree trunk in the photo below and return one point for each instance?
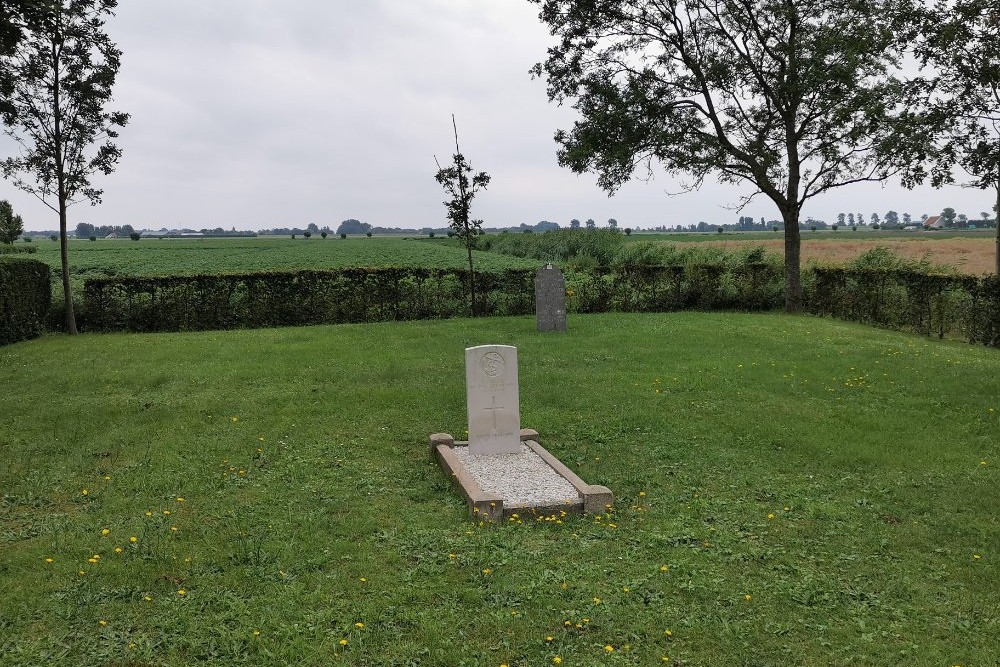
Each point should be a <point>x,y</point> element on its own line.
<point>64,256</point>
<point>793,275</point>
<point>997,221</point>
<point>472,277</point>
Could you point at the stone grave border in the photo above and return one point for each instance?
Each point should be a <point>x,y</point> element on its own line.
<point>593,498</point>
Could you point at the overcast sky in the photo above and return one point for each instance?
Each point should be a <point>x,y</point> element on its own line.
<point>257,114</point>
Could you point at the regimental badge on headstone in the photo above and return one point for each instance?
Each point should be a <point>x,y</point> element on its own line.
<point>492,399</point>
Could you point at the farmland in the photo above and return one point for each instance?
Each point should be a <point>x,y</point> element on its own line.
<point>151,257</point>
<point>967,252</point>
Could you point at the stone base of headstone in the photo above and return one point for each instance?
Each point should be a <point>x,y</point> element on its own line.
<point>492,506</point>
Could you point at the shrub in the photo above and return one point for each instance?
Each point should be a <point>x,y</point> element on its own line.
<point>628,231</point>
<point>182,303</point>
<point>834,227</point>
<point>322,235</point>
<point>93,238</point>
<point>27,239</point>
<point>308,235</point>
<point>25,294</point>
<point>431,235</point>
<point>17,249</point>
<point>135,236</point>
<point>368,234</point>
<point>343,236</point>
<point>53,237</point>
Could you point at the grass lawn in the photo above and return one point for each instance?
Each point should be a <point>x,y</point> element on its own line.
<point>789,491</point>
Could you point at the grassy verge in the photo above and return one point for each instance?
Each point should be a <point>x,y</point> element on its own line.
<point>790,491</point>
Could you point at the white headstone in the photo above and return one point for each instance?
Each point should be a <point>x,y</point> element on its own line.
<point>492,399</point>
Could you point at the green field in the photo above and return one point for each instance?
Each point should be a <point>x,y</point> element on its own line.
<point>790,491</point>
<point>154,257</point>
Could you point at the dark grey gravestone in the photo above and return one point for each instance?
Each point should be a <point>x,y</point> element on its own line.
<point>550,299</point>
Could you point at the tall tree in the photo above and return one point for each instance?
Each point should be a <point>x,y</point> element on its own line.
<point>11,225</point>
<point>62,74</point>
<point>790,96</point>
<point>891,219</point>
<point>948,217</point>
<point>462,190</point>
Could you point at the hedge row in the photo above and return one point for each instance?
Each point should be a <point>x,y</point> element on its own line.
<point>965,307</point>
<point>204,302</point>
<point>957,306</point>
<point>17,249</point>
<point>25,293</point>
<point>750,286</point>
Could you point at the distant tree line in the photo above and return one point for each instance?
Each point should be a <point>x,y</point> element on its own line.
<point>85,230</point>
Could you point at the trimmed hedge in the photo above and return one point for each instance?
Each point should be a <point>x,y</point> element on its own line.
<point>910,300</point>
<point>17,249</point>
<point>25,294</point>
<point>638,288</point>
<point>904,299</point>
<point>273,299</point>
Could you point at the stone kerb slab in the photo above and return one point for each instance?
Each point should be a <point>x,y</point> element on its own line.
<point>492,399</point>
<point>491,507</point>
<point>550,299</point>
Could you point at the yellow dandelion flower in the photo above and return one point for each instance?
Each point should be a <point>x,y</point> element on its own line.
<point>665,658</point>
<point>182,592</point>
<point>642,494</point>
<point>625,589</point>
<point>668,633</point>
<point>149,513</point>
<point>548,639</point>
<point>179,499</point>
<point>235,419</point>
<point>487,570</point>
<point>597,600</point>
<point>452,556</point>
<point>107,478</point>
<point>50,560</point>
<point>586,620</point>
<point>256,633</point>
<point>82,573</point>
<point>92,561</point>
<point>166,512</point>
<point>609,648</point>
<point>173,529</point>
<point>664,568</point>
<point>84,492</point>
<point>567,623</point>
<point>105,531</point>
<point>102,622</point>
<point>976,557</point>
<point>556,660</point>
<point>148,598</point>
<point>133,539</point>
<point>359,625</point>
<point>118,550</point>
<point>770,516</point>
<point>362,580</point>
<point>748,597</point>
<point>343,642</point>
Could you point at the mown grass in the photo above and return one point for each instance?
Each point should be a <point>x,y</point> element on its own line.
<point>790,491</point>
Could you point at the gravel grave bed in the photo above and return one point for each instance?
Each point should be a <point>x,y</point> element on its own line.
<point>521,480</point>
